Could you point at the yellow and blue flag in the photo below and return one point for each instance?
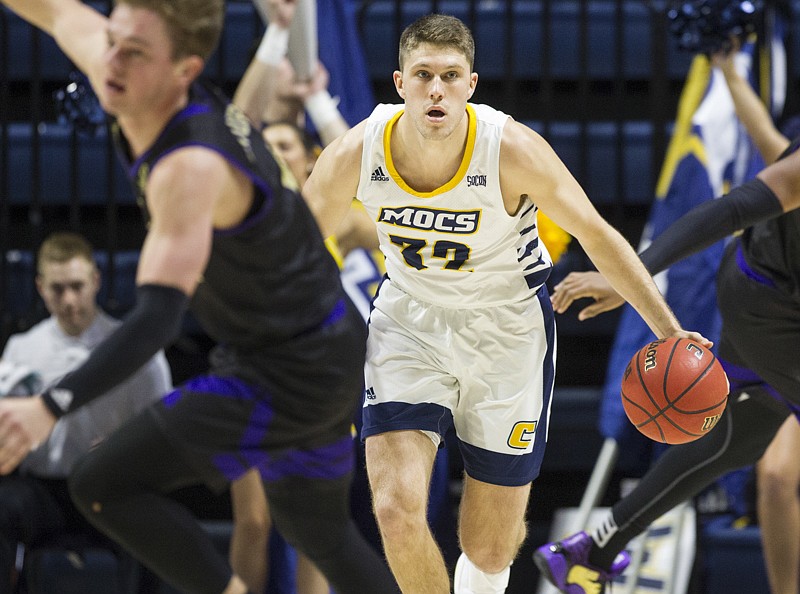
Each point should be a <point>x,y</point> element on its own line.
<point>709,153</point>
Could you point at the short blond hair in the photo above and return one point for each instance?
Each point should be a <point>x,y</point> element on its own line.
<point>61,247</point>
<point>439,30</point>
<point>194,25</point>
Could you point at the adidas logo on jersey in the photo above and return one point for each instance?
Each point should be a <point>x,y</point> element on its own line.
<point>379,175</point>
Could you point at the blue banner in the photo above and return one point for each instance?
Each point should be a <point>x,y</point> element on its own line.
<point>341,52</point>
<point>709,153</point>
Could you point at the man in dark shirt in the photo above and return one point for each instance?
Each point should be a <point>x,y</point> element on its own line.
<point>229,235</point>
<point>758,292</point>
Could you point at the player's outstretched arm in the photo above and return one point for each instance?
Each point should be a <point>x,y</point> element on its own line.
<point>577,285</point>
<point>80,31</point>
<point>750,110</point>
<point>184,193</point>
<point>258,87</point>
<point>775,191</point>
<point>530,168</point>
<point>333,182</point>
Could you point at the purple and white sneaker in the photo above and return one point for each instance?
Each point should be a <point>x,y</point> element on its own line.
<point>566,565</point>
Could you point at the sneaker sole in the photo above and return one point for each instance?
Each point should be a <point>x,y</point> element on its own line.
<point>544,567</point>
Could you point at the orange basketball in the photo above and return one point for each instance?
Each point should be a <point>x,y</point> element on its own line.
<point>674,390</point>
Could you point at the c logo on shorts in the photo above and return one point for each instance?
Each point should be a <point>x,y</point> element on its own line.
<point>521,434</point>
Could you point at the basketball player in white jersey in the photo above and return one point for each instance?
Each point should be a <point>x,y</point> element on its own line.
<point>462,331</point>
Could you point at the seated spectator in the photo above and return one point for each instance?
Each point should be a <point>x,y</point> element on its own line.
<point>35,507</point>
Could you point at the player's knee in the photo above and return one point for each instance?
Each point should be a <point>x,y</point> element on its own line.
<point>774,484</point>
<point>252,515</point>
<point>492,552</point>
<point>490,559</point>
<point>252,527</point>
<point>398,516</point>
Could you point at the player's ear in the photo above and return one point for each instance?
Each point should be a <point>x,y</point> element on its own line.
<point>397,77</point>
<point>190,67</point>
<point>473,82</point>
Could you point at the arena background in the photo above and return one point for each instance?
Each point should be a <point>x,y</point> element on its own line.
<point>600,79</point>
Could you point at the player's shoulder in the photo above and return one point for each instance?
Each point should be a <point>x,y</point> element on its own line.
<point>519,137</point>
<point>512,131</point>
<point>350,144</point>
<point>384,112</point>
<point>190,169</point>
<point>189,157</point>
<point>489,115</point>
<point>525,151</point>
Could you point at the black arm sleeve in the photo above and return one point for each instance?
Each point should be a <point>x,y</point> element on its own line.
<point>711,221</point>
<point>152,324</point>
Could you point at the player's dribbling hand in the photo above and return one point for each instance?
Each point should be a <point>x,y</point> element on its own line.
<point>585,284</point>
<point>24,424</point>
<point>695,336</point>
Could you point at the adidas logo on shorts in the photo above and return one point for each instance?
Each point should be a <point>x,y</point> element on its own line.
<point>379,175</point>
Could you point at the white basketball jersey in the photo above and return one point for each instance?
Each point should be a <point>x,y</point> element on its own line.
<point>455,246</point>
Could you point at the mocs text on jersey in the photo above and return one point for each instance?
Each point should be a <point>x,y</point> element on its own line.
<point>431,219</point>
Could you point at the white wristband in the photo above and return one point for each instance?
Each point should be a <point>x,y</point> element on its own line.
<point>322,108</point>
<point>274,45</point>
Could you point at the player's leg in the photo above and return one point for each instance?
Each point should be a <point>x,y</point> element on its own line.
<point>751,421</point>
<point>313,515</point>
<point>739,439</point>
<point>120,487</point>
<point>249,546</point>
<point>410,394</point>
<point>491,530</point>
<point>763,326</point>
<point>501,421</point>
<point>399,465</point>
<point>308,578</point>
<point>778,502</point>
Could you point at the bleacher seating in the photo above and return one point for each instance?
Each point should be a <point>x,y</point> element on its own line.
<point>21,296</point>
<point>31,50</point>
<point>243,26</point>
<point>601,160</point>
<point>527,40</point>
<point>243,29</point>
<point>575,42</point>
<point>28,47</point>
<point>59,171</point>
<point>733,559</point>
<point>86,569</point>
<point>93,153</point>
<point>118,289</point>
<point>604,30</point>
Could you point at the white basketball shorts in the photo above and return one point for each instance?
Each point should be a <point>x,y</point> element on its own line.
<point>487,372</point>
